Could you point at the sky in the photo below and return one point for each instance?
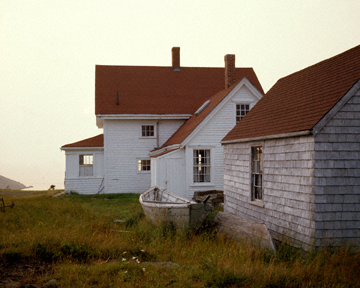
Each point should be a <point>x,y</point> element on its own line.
<point>49,49</point>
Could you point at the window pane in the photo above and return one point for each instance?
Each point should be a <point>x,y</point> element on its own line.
<point>241,111</point>
<point>256,171</point>
<point>201,169</point>
<point>147,130</point>
<point>144,165</point>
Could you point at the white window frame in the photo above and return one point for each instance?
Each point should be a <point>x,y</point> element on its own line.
<point>86,164</point>
<point>141,164</point>
<point>205,168</point>
<point>148,125</point>
<point>236,111</point>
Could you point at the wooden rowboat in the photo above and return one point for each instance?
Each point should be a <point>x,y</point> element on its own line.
<point>163,207</point>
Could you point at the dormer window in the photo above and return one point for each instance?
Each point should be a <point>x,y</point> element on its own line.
<point>241,111</point>
<point>147,131</point>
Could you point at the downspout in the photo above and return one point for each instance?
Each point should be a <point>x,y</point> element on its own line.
<point>157,133</point>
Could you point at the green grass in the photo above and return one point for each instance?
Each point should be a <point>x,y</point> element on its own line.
<point>77,235</point>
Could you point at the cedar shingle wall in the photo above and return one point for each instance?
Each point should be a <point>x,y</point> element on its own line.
<point>288,186</point>
<point>337,176</point>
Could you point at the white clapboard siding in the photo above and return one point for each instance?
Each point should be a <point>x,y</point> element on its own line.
<point>124,146</point>
<point>209,137</point>
<point>83,185</point>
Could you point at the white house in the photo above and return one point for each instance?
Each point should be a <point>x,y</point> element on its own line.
<point>156,121</point>
<point>294,161</point>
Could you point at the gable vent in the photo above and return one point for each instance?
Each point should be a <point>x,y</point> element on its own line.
<point>202,107</point>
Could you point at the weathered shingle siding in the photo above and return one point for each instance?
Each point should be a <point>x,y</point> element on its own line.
<point>288,186</point>
<point>337,175</point>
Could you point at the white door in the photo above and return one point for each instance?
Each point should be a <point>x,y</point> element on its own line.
<point>175,176</point>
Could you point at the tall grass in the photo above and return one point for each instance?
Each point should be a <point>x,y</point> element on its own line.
<point>77,234</point>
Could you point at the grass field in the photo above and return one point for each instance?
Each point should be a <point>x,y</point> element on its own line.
<point>74,240</point>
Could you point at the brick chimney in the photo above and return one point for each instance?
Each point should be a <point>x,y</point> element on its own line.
<point>230,76</point>
<point>175,58</point>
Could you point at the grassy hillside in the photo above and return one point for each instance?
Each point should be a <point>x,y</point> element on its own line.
<point>74,240</point>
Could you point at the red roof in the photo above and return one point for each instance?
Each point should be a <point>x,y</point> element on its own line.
<point>97,141</point>
<point>297,102</point>
<point>195,120</point>
<point>159,90</point>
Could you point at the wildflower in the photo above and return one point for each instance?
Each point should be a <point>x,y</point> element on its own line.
<point>125,271</point>
<point>137,261</point>
<point>123,259</point>
<point>125,252</point>
<point>133,258</point>
<point>143,269</point>
<point>142,250</point>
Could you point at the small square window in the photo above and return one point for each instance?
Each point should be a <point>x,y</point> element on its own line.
<point>147,131</point>
<point>144,165</point>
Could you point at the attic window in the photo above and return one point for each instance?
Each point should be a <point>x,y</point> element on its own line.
<point>241,111</point>
<point>202,107</point>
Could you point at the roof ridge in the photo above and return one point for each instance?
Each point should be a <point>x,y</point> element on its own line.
<point>318,63</point>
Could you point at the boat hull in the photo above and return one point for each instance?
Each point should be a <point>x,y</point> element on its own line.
<point>164,208</point>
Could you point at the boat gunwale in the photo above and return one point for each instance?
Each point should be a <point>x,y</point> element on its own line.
<point>165,204</point>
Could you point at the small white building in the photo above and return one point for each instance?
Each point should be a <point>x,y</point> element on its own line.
<point>161,126</point>
<point>294,161</point>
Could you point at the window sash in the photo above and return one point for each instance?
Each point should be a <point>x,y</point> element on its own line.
<point>86,165</point>
<point>147,131</point>
<point>241,111</point>
<point>256,173</point>
<point>201,166</point>
<point>144,165</point>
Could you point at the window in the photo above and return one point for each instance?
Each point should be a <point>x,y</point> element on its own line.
<point>256,173</point>
<point>201,166</point>
<point>144,165</point>
<point>241,111</point>
<point>85,165</point>
<point>147,131</point>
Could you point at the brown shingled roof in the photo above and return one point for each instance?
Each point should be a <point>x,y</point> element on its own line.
<point>297,102</point>
<point>159,90</point>
<point>97,141</point>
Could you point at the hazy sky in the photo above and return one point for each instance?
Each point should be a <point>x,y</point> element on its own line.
<point>49,49</point>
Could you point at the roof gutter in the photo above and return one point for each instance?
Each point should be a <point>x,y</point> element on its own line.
<point>82,148</point>
<point>170,147</point>
<point>269,137</point>
<point>144,116</point>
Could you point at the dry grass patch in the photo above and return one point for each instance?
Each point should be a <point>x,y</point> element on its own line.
<point>73,234</point>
